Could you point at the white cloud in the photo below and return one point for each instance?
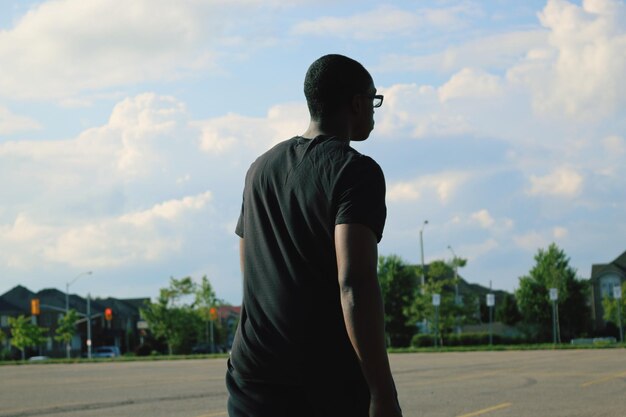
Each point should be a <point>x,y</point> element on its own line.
<point>416,111</point>
<point>168,211</point>
<point>149,235</point>
<point>579,72</point>
<point>63,47</point>
<point>78,191</point>
<point>470,83</point>
<point>386,21</point>
<point>67,48</point>
<point>559,232</point>
<point>530,241</point>
<point>562,182</point>
<point>499,51</point>
<point>483,218</point>
<point>11,123</point>
<point>375,24</point>
<point>614,145</point>
<point>442,186</point>
<point>141,138</point>
<point>86,194</point>
<point>403,191</point>
<point>252,134</point>
<point>474,251</point>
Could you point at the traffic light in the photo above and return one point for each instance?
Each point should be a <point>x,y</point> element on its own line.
<point>213,313</point>
<point>34,307</point>
<point>108,314</point>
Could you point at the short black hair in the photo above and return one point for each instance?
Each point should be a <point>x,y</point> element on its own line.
<point>332,81</point>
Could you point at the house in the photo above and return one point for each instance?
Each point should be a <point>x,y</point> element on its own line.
<point>603,278</point>
<point>120,330</point>
<point>229,318</point>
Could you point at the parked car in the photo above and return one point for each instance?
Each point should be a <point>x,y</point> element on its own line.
<point>38,358</point>
<point>106,352</point>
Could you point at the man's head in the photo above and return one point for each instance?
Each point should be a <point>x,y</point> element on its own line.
<point>333,83</point>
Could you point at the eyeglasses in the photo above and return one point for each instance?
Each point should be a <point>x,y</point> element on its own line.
<point>378,99</point>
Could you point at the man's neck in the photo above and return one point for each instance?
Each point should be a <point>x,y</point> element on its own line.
<point>327,128</point>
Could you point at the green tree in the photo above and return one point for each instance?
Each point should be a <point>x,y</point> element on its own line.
<point>3,351</point>
<point>398,284</point>
<point>66,329</point>
<point>613,306</point>
<point>25,334</point>
<point>205,299</point>
<point>172,317</point>
<point>552,270</point>
<point>507,311</point>
<point>440,279</point>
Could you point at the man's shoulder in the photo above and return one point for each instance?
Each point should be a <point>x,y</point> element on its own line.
<point>361,161</point>
<point>276,151</point>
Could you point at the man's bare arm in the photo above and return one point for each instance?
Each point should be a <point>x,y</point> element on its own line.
<point>361,301</point>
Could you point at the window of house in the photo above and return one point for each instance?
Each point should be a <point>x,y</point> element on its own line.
<point>607,283</point>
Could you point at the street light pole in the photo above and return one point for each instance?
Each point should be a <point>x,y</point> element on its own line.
<point>67,289</point>
<point>89,325</point>
<point>67,301</point>
<point>422,251</point>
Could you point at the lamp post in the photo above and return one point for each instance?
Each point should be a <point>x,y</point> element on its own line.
<point>422,251</point>
<point>67,301</point>
<point>67,289</point>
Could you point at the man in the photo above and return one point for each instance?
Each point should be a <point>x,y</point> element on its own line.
<point>310,341</point>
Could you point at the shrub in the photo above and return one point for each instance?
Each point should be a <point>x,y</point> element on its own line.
<point>422,340</point>
<point>466,339</point>
<point>144,350</point>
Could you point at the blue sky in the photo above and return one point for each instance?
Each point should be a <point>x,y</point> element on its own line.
<point>126,129</point>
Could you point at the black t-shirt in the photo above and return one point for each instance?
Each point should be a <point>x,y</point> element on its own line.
<point>292,327</point>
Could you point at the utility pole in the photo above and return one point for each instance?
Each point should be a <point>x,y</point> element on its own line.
<point>89,325</point>
<point>422,286</point>
<point>68,347</point>
<point>422,251</point>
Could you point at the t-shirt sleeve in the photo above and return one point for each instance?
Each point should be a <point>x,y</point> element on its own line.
<point>361,196</point>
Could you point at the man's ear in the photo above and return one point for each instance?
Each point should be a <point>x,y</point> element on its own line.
<point>357,104</point>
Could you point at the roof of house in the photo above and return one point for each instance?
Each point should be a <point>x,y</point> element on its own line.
<point>121,307</point>
<point>19,297</point>
<point>617,266</point>
<point>6,306</point>
<point>17,301</point>
<point>620,261</point>
<point>229,309</point>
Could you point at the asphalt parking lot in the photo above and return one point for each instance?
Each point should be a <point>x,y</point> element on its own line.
<point>566,383</point>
